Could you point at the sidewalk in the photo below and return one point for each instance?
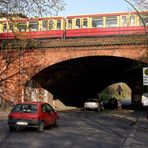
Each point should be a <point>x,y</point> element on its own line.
<point>4,114</point>
<point>138,137</point>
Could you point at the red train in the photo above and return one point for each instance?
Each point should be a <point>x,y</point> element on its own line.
<point>95,25</point>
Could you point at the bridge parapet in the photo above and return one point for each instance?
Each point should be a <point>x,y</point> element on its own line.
<point>100,41</point>
<point>80,42</point>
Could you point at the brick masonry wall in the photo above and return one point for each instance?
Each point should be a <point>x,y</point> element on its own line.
<point>27,63</point>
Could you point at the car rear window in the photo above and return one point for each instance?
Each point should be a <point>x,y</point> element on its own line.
<point>29,108</point>
<point>91,100</point>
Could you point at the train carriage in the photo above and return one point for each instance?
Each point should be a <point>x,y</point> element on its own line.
<point>105,24</point>
<point>35,28</point>
<point>92,25</point>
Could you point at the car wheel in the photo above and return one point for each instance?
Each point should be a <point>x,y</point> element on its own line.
<point>102,108</point>
<point>41,127</point>
<point>85,109</point>
<point>56,123</point>
<point>12,128</point>
<point>98,109</point>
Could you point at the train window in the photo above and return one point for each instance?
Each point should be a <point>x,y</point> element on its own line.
<point>50,24</point>
<point>140,22</point>
<point>44,25</point>
<point>69,24</point>
<point>97,22</point>
<point>21,27</point>
<point>77,23</point>
<point>111,21</point>
<point>145,19</point>
<point>4,27</point>
<point>10,27</point>
<point>123,21</point>
<point>33,26</point>
<point>58,24</point>
<point>85,23</point>
<point>132,20</point>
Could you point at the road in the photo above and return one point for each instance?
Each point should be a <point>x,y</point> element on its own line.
<point>77,129</point>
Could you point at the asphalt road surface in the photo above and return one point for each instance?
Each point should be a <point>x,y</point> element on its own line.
<point>77,129</point>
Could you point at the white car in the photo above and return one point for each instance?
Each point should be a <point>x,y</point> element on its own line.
<point>93,104</point>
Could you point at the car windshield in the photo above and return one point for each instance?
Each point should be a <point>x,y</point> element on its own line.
<point>29,108</point>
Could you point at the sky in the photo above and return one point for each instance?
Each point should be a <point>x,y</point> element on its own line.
<point>76,7</point>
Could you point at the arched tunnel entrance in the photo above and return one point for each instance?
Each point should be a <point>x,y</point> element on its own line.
<point>74,80</point>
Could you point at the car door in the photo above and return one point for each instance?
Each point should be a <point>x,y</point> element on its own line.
<point>48,114</point>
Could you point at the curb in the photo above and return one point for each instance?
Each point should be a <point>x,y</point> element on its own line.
<point>3,118</point>
<point>141,123</point>
<point>4,114</point>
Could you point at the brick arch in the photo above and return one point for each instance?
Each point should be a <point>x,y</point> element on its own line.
<point>48,57</point>
<point>80,57</point>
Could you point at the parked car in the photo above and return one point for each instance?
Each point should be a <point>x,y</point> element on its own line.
<point>32,114</point>
<point>93,104</point>
<point>113,103</point>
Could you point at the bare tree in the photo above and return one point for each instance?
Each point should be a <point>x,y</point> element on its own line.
<point>13,9</point>
<point>14,72</point>
<point>31,8</point>
<point>11,59</point>
<point>141,4</point>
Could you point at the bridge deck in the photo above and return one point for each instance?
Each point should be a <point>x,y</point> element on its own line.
<point>100,41</point>
<point>78,42</point>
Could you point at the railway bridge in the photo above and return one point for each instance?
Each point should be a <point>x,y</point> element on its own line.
<point>64,72</point>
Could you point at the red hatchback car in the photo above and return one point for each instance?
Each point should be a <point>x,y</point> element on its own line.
<point>32,114</point>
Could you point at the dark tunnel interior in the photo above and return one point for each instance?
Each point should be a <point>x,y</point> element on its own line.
<point>73,80</point>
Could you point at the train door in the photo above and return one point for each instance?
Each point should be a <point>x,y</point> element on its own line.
<point>81,23</point>
<point>78,23</point>
<point>85,23</point>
